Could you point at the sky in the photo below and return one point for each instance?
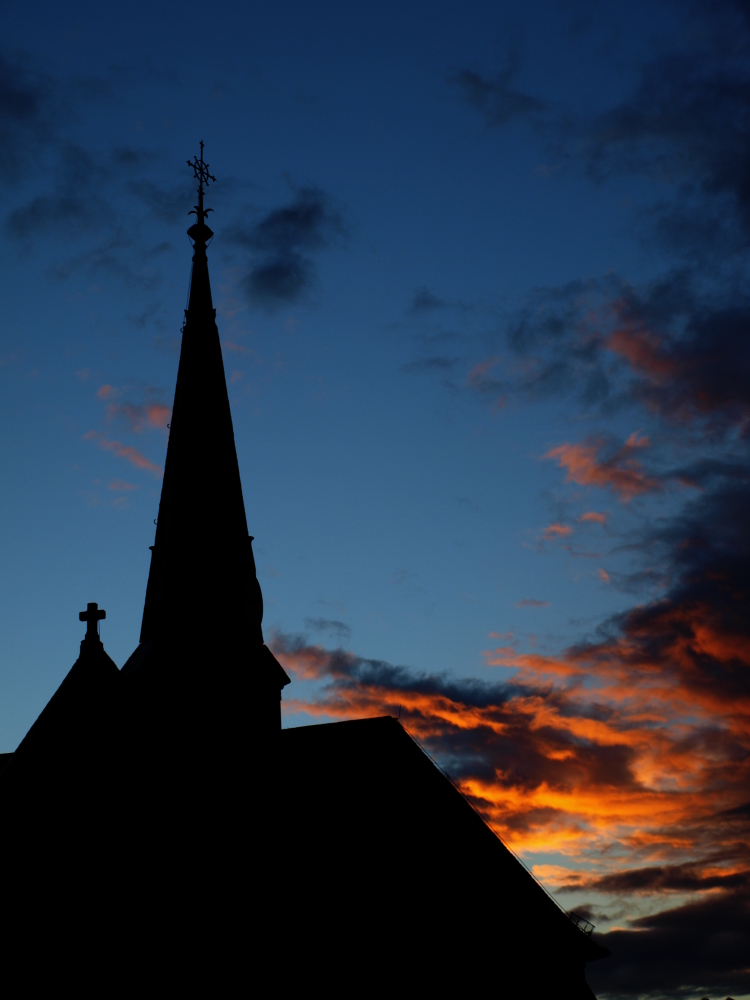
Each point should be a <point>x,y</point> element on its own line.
<point>481,277</point>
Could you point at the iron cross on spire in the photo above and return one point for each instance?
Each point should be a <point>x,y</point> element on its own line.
<point>92,616</point>
<point>201,174</point>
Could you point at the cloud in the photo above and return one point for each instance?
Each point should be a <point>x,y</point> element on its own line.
<point>696,373</point>
<point>702,945</point>
<point>674,345</point>
<point>495,99</point>
<point>425,301</point>
<point>151,415</point>
<point>529,602</point>
<point>236,348</point>
<point>121,486</point>
<point>127,452</point>
<point>83,196</point>
<point>593,516</point>
<point>619,471</point>
<point>660,694</point>
<point>673,348</point>
<point>339,630</point>
<point>281,242</point>
<point>557,531</point>
<point>167,204</point>
<point>688,877</point>
<point>28,113</point>
<point>75,206</point>
<point>479,379</point>
<point>683,121</point>
<point>623,761</point>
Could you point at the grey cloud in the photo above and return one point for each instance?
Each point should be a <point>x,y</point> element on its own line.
<point>281,243</point>
<point>168,204</point>
<point>673,878</point>
<point>495,99</point>
<point>75,206</point>
<point>425,301</point>
<point>26,114</point>
<point>330,626</point>
<point>698,948</point>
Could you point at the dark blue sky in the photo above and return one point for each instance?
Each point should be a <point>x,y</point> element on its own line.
<point>481,279</point>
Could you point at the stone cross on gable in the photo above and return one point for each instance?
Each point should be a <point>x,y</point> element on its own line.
<point>92,616</point>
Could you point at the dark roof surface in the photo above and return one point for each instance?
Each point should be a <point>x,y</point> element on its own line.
<point>366,799</point>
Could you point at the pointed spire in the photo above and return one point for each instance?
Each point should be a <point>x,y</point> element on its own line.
<point>202,588</point>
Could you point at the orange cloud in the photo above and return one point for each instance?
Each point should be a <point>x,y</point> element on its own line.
<point>621,472</point>
<point>149,416</point>
<point>557,531</point>
<point>127,452</point>
<point>613,755</point>
<point>592,515</point>
<point>644,351</point>
<point>157,415</point>
<point>603,575</point>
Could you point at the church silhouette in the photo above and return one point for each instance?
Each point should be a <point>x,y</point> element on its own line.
<point>160,830</point>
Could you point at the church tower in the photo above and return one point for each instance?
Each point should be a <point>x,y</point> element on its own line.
<point>201,643</point>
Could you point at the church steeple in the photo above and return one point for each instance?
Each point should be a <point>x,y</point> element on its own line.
<point>202,589</point>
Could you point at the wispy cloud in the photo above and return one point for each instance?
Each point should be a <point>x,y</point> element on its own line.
<point>496,99</point>
<point>122,486</point>
<point>128,452</point>
<point>139,417</point>
<point>337,629</point>
<point>228,345</point>
<point>553,531</point>
<point>594,517</point>
<point>588,465</point>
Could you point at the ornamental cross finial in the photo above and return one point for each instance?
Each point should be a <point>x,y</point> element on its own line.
<point>92,616</point>
<point>200,171</point>
<point>201,174</point>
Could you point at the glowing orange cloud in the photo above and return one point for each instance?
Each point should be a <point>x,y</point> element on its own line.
<point>124,451</point>
<point>616,754</point>
<point>557,531</point>
<point>592,515</point>
<point>621,473</point>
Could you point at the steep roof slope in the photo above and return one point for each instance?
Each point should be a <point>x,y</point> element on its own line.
<point>371,825</point>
